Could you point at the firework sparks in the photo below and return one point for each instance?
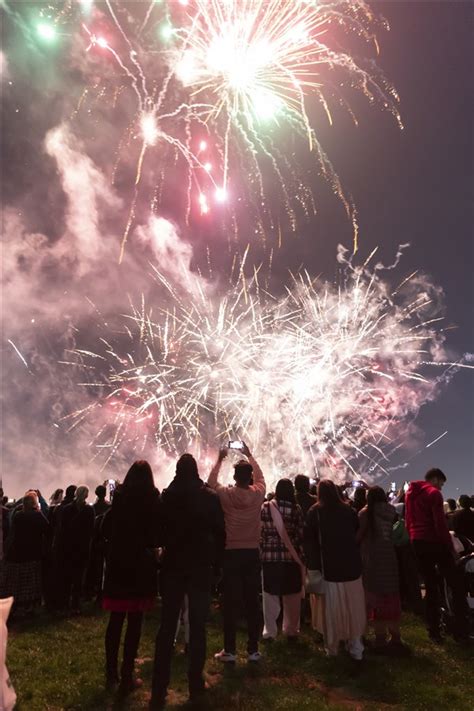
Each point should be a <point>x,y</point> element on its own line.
<point>325,379</point>
<point>231,81</point>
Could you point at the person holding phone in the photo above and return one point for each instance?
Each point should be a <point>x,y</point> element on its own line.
<point>242,505</point>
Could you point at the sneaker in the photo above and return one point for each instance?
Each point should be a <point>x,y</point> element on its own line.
<point>226,657</point>
<point>254,657</point>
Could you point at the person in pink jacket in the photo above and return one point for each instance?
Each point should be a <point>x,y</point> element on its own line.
<point>241,572</point>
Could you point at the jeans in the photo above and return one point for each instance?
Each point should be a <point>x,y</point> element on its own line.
<point>130,645</point>
<point>241,580</point>
<point>196,584</point>
<point>434,557</point>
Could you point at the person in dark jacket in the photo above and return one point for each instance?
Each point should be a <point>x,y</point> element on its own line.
<point>5,523</point>
<point>95,568</point>
<point>303,498</point>
<point>428,530</point>
<point>131,529</point>
<point>463,519</point>
<point>360,498</point>
<point>194,541</point>
<point>21,574</point>
<point>331,547</point>
<point>450,505</point>
<point>73,540</point>
<point>101,506</point>
<point>56,510</point>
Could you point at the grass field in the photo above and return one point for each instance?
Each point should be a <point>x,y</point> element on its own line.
<point>58,664</point>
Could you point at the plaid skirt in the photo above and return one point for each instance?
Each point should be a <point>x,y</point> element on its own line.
<point>22,581</point>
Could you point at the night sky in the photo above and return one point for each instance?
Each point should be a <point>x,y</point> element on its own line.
<point>412,186</point>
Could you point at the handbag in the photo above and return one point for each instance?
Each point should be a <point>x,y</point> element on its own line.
<point>315,578</point>
<point>400,535</point>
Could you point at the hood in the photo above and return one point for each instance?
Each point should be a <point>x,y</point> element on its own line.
<point>418,488</point>
<point>181,490</point>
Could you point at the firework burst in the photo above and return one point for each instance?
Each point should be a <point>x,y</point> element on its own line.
<point>324,379</point>
<point>225,96</point>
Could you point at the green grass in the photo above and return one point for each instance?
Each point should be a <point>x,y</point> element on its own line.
<point>58,664</point>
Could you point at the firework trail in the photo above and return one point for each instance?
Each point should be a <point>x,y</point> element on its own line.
<point>225,93</point>
<point>326,379</point>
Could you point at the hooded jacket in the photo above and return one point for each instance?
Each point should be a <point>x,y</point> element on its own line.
<point>193,525</point>
<point>242,506</point>
<point>424,514</point>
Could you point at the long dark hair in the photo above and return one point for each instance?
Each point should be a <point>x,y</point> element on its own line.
<point>328,494</point>
<point>138,484</point>
<point>285,491</point>
<point>375,495</point>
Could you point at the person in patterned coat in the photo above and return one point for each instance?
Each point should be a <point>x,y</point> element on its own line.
<point>380,571</point>
<point>282,566</point>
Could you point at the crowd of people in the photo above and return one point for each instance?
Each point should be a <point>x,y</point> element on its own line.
<point>302,551</point>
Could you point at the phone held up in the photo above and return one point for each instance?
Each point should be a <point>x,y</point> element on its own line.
<point>236,444</point>
<point>112,485</point>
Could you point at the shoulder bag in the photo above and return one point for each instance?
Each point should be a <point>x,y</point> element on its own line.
<point>315,578</point>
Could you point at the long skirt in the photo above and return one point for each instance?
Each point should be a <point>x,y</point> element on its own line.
<point>340,614</point>
<point>380,607</point>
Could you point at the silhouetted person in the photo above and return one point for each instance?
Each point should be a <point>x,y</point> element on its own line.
<point>74,534</point>
<point>131,529</point>
<point>450,512</point>
<point>95,568</point>
<point>303,498</point>
<point>101,506</point>
<point>360,498</point>
<point>24,550</point>
<point>194,539</point>
<point>463,519</point>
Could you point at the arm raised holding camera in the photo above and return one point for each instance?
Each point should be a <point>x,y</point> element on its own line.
<point>258,478</point>
<point>213,476</point>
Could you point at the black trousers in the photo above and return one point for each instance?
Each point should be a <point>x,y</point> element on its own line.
<point>436,559</point>
<point>72,573</point>
<point>130,645</point>
<point>242,583</point>
<point>196,584</point>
